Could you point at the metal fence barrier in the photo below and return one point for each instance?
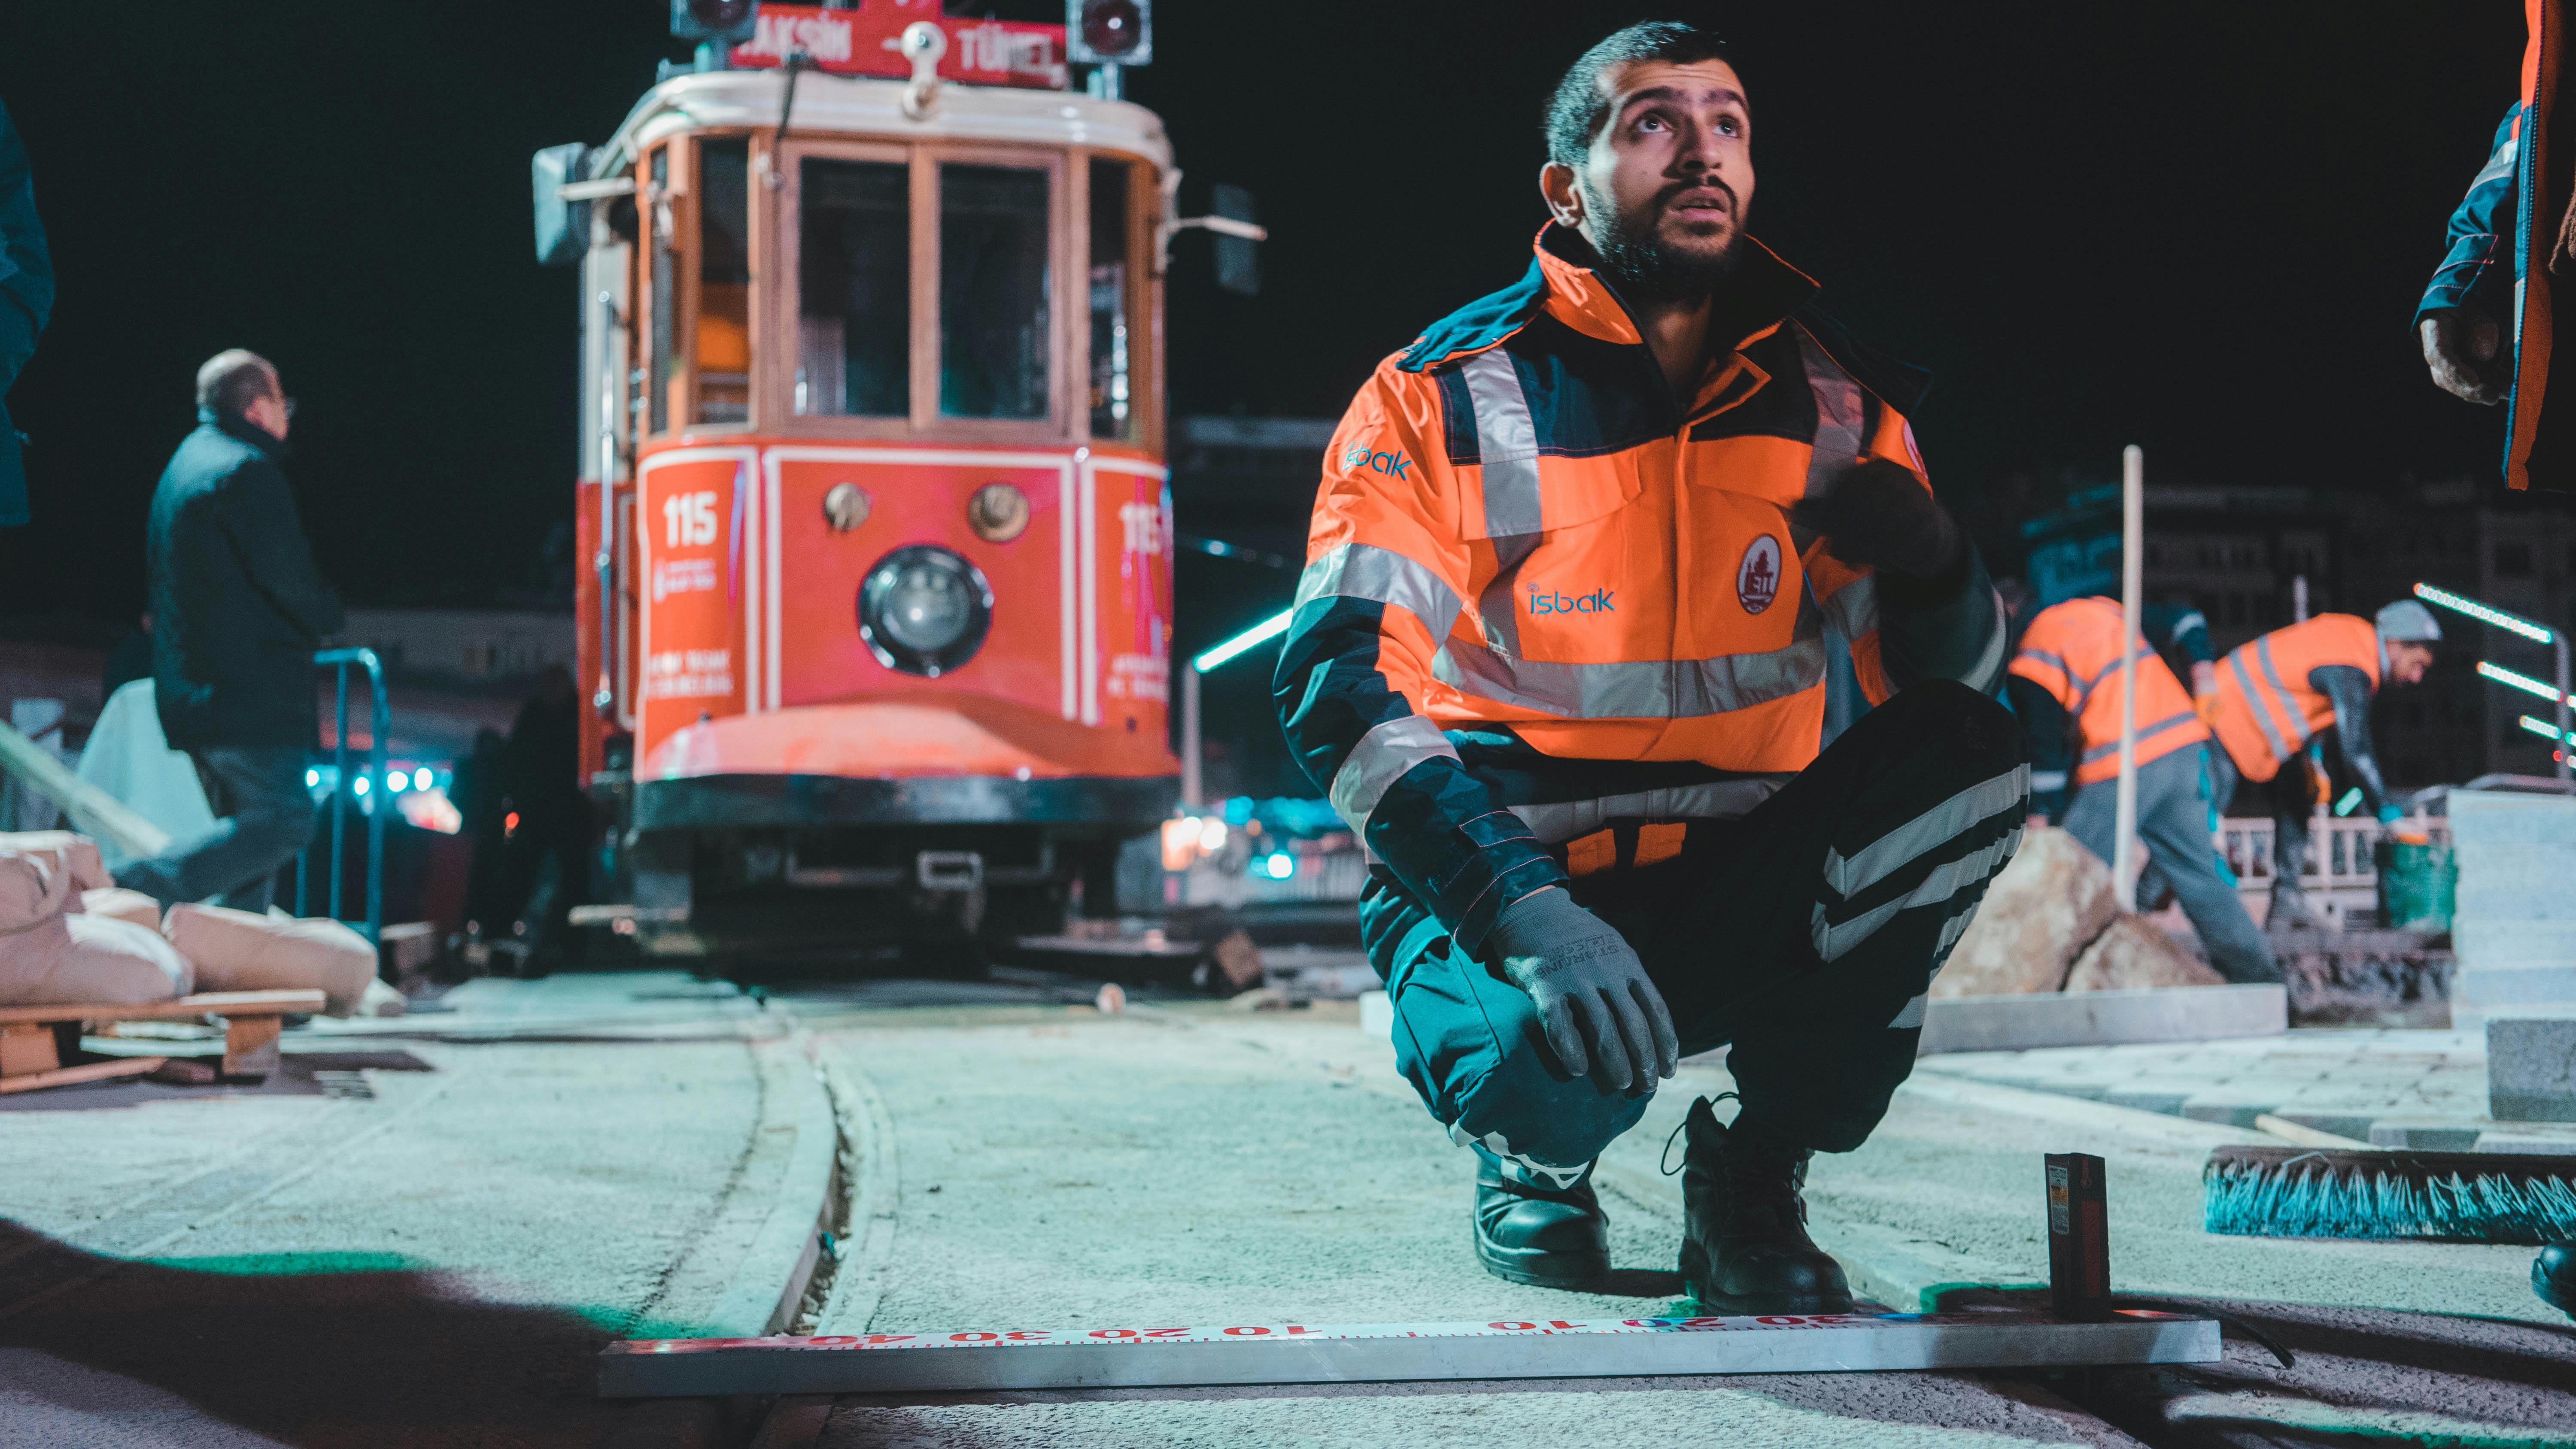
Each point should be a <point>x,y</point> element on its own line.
<point>369,787</point>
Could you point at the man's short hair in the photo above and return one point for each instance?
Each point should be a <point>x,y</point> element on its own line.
<point>1575,114</point>
<point>232,380</point>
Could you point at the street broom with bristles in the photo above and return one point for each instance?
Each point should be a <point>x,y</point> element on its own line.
<point>2308,1192</point>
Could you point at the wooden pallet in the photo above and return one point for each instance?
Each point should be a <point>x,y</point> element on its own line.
<point>35,1040</point>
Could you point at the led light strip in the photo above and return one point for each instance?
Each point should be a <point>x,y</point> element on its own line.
<point>2536,633</point>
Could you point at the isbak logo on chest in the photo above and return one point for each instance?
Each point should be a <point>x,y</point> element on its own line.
<point>1549,601</point>
<point>1391,462</point>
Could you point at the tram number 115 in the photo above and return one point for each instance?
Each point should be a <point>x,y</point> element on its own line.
<point>690,518</point>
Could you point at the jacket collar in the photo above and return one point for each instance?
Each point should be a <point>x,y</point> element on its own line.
<point>1565,281</point>
<point>1757,296</point>
<point>244,430</point>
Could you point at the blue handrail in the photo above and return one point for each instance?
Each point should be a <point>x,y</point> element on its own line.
<point>379,721</point>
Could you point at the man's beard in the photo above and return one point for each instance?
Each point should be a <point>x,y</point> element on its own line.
<point>1644,267</point>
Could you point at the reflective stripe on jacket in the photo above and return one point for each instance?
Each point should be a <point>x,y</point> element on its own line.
<point>1541,595</point>
<point>2072,650</point>
<point>2267,708</point>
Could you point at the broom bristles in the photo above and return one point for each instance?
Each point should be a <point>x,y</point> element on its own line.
<point>2289,1193</point>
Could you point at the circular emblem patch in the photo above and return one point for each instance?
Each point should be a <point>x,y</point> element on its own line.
<point>1757,579</point>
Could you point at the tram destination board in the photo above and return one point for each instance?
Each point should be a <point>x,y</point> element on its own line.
<point>1288,1353</point>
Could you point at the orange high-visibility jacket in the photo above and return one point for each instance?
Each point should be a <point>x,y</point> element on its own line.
<point>2268,707</point>
<point>2072,650</point>
<point>1542,594</point>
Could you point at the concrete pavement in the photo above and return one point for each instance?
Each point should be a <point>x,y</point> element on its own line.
<point>399,1239</point>
<point>1056,1167</point>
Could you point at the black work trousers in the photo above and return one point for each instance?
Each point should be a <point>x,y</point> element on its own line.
<point>1806,933</point>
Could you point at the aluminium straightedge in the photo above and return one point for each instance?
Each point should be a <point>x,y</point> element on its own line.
<point>1015,1359</point>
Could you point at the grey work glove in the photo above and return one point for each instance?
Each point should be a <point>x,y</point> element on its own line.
<point>1878,515</point>
<point>1603,1018</point>
<point>2460,347</point>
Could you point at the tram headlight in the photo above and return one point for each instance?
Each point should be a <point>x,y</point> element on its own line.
<point>924,610</point>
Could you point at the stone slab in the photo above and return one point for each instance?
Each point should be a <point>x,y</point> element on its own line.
<point>2100,1018</point>
<point>2525,982</point>
<point>2531,1067</point>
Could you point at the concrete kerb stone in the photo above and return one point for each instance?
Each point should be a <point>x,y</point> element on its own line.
<point>2101,1018</point>
<point>781,1262</point>
<point>2531,1067</point>
<point>771,1282</point>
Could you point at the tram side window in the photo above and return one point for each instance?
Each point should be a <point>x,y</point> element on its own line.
<point>1116,408</point>
<point>993,292</point>
<point>724,281</point>
<point>666,363</point>
<point>854,307</point>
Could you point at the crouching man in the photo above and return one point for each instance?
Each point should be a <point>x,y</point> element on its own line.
<point>1582,562</point>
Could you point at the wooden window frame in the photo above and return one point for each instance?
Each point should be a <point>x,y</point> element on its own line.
<point>776,366</point>
<point>1066,307</point>
<point>1145,298</point>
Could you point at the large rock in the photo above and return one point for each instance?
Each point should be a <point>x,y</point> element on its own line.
<point>2039,914</point>
<point>2131,953</point>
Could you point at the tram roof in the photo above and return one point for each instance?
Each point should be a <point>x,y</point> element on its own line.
<point>860,106</point>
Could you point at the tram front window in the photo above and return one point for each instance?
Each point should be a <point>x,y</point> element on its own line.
<point>993,292</point>
<point>724,282</point>
<point>854,322</point>
<point>1115,349</point>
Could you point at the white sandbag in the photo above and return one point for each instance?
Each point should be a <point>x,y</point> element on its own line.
<point>239,951</point>
<point>129,758</point>
<point>52,952</point>
<point>118,903</point>
<point>77,852</point>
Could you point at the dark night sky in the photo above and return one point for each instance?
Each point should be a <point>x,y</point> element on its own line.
<point>2196,226</point>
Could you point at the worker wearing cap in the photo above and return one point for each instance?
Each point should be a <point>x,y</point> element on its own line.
<point>2291,685</point>
<point>2065,685</point>
<point>1584,560</point>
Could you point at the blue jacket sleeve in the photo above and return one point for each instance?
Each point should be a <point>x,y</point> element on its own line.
<point>2477,269</point>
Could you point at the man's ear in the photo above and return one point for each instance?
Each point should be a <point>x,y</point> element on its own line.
<point>1556,183</point>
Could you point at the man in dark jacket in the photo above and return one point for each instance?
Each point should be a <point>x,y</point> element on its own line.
<point>26,300</point>
<point>237,611</point>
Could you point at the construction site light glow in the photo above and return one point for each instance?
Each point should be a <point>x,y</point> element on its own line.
<point>2536,633</point>
<point>1269,628</point>
<point>2523,682</point>
<point>2541,728</point>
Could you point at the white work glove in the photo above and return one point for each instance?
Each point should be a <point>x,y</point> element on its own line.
<point>2460,346</point>
<point>1603,1018</point>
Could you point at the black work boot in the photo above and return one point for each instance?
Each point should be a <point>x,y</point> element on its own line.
<point>1745,1248</point>
<point>1547,1237</point>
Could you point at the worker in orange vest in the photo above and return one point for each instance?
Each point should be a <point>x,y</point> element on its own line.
<point>2291,685</point>
<point>2065,685</point>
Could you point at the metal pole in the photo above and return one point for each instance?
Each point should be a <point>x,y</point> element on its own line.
<point>379,800</point>
<point>2559,638</point>
<point>2124,830</point>
<point>1190,781</point>
<point>339,787</point>
<point>2299,599</point>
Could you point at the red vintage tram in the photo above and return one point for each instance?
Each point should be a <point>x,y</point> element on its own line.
<point>873,474</point>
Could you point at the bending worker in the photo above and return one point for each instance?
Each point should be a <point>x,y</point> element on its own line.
<point>2065,686</point>
<point>2293,684</point>
<point>1559,657</point>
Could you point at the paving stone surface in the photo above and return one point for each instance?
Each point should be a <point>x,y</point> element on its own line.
<point>2391,1087</point>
